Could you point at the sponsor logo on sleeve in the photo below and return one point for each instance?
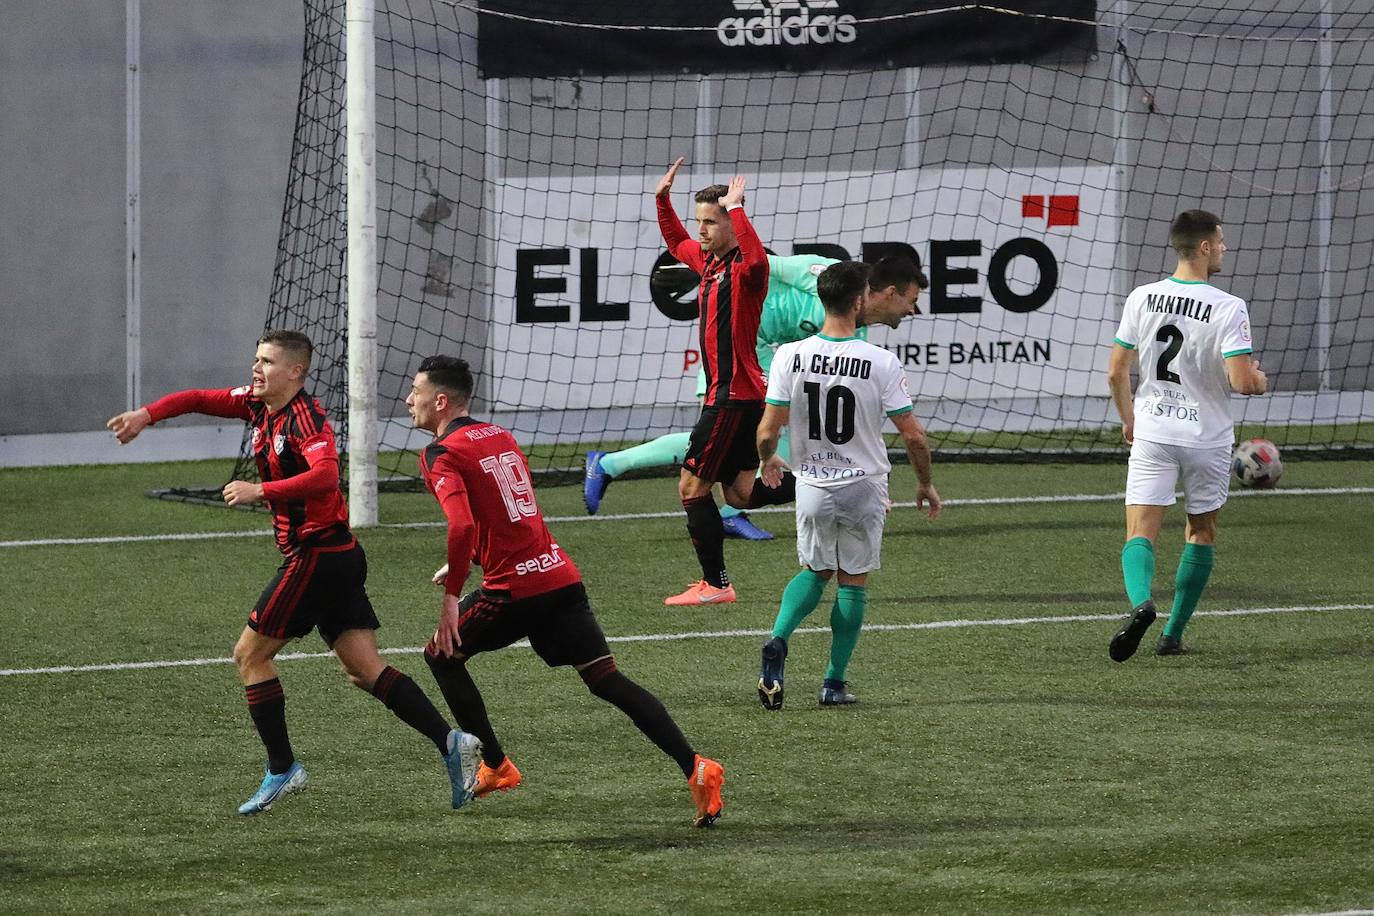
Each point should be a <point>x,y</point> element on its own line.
<point>240,391</point>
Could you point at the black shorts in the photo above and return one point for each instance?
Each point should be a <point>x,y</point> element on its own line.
<point>560,624</point>
<point>724,442</point>
<point>318,587</point>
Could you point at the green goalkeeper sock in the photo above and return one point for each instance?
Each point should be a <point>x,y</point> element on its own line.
<point>846,619</point>
<point>657,453</point>
<point>1138,569</point>
<point>1194,568</point>
<point>799,598</point>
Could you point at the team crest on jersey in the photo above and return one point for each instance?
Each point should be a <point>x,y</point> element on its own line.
<point>279,443</point>
<point>257,438</point>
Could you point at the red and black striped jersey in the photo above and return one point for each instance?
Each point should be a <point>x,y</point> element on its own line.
<point>730,304</point>
<point>482,481</point>
<point>296,455</point>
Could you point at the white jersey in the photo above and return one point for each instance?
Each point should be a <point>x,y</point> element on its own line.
<point>839,392</point>
<point>1183,332</point>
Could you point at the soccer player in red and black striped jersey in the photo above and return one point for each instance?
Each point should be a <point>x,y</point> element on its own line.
<point>734,282</point>
<point>321,581</point>
<point>530,586</point>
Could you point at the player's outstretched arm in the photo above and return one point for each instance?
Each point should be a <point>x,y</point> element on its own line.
<point>681,245</point>
<point>753,256</point>
<point>129,424</point>
<point>918,453</point>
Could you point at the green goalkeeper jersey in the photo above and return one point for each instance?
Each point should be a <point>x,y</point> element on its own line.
<point>791,310</point>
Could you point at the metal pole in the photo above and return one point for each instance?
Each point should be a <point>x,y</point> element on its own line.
<point>133,279</point>
<point>1326,202</point>
<point>360,113</point>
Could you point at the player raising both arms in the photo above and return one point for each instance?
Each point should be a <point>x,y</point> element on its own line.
<point>530,587</point>
<point>792,311</point>
<point>734,280</point>
<point>1193,344</point>
<point>837,391</point>
<point>321,581</point>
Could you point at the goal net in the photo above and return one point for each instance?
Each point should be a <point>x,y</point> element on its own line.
<point>1030,155</point>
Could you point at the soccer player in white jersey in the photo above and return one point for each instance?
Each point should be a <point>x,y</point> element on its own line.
<point>1193,345</point>
<point>836,390</point>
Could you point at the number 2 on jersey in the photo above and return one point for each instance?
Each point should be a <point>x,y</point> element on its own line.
<point>1171,335</point>
<point>513,480</point>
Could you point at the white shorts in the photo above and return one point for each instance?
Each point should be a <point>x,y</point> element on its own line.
<point>842,527</point>
<point>1155,469</point>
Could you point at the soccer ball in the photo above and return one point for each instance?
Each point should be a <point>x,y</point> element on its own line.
<point>1256,463</point>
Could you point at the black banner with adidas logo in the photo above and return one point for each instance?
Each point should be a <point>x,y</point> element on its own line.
<point>605,37</point>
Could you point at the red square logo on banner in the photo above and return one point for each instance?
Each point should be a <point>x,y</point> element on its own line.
<point>1033,206</point>
<point>1063,210</point>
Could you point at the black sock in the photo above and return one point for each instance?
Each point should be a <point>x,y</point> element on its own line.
<point>405,698</point>
<point>703,524</point>
<point>645,710</point>
<point>465,702</point>
<point>784,492</point>
<point>267,706</point>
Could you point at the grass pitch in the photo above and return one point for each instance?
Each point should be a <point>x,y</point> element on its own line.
<point>988,768</point>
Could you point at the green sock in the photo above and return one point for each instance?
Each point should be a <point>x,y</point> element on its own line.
<point>799,598</point>
<point>1194,567</point>
<point>846,619</point>
<point>657,453</point>
<point>1138,569</point>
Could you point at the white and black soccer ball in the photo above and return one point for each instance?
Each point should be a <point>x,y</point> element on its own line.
<point>1257,463</point>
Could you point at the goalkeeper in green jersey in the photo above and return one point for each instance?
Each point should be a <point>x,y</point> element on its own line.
<point>791,311</point>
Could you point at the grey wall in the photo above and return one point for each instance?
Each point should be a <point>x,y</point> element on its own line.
<point>218,97</point>
<point>219,92</point>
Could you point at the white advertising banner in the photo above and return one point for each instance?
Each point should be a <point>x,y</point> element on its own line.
<point>1020,264</point>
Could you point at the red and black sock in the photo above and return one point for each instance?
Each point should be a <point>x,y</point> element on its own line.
<point>465,702</point>
<point>703,524</point>
<point>645,710</point>
<point>405,698</point>
<point>267,706</point>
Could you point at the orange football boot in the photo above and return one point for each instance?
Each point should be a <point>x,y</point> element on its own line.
<point>702,592</point>
<point>505,777</point>
<point>706,779</point>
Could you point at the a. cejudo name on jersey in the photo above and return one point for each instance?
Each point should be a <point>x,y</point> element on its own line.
<point>847,366</point>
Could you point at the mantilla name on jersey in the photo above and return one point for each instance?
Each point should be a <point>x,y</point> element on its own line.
<point>1178,305</point>
<point>550,559</point>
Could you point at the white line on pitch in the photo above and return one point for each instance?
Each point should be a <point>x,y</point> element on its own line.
<point>713,634</point>
<point>564,519</point>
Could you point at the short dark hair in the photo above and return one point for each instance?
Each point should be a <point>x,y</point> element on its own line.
<point>449,373</point>
<point>293,342</point>
<point>841,284</point>
<point>1190,229</point>
<point>896,270</point>
<point>712,194</point>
